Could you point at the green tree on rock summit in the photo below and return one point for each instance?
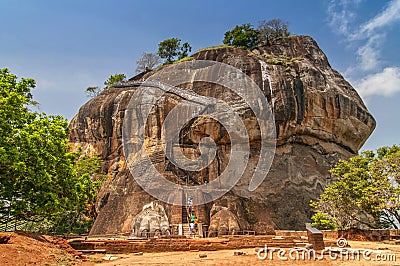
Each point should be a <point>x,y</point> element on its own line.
<point>246,37</point>
<point>242,36</point>
<point>171,48</point>
<point>113,79</point>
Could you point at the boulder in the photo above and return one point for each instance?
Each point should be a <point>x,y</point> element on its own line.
<point>319,119</point>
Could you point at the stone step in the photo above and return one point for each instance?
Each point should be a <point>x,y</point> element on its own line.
<point>186,230</point>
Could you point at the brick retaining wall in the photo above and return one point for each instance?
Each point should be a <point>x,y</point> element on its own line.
<point>351,234</point>
<point>182,244</point>
<point>282,239</point>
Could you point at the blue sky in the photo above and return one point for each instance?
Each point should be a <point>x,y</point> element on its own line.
<point>67,46</point>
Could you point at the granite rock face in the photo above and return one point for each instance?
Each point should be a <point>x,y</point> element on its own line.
<point>319,119</point>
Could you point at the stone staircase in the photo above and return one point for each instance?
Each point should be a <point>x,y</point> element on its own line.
<point>186,230</point>
<point>185,224</point>
<point>185,215</point>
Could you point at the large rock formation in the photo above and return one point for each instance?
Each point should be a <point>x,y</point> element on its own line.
<point>319,119</point>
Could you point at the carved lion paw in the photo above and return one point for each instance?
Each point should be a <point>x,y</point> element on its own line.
<point>222,222</point>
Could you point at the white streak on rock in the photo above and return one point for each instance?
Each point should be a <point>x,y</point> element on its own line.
<point>265,76</point>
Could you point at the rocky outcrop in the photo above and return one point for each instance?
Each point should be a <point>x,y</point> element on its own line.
<point>319,118</point>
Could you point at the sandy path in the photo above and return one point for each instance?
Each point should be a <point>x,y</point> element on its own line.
<point>226,257</point>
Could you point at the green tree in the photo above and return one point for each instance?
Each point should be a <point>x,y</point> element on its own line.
<point>79,219</point>
<point>366,192</point>
<point>322,222</point>
<point>93,91</point>
<point>185,49</point>
<point>37,176</point>
<point>113,79</point>
<point>171,48</point>
<point>272,30</point>
<point>242,36</point>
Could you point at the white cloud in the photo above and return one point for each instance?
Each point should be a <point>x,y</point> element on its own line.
<point>384,83</point>
<point>369,53</point>
<point>340,16</point>
<point>341,20</point>
<point>368,39</point>
<point>372,32</point>
<point>389,15</point>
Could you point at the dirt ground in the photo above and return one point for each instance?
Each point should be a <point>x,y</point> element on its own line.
<point>227,257</point>
<point>25,248</point>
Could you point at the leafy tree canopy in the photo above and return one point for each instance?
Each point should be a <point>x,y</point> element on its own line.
<point>242,36</point>
<point>171,48</point>
<point>93,91</point>
<point>365,194</point>
<point>38,180</point>
<point>113,79</point>
<point>185,49</point>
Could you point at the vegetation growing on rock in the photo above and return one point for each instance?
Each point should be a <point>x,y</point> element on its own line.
<point>93,91</point>
<point>242,36</point>
<point>171,48</point>
<point>113,79</point>
<point>246,37</point>
<point>271,30</point>
<point>147,62</point>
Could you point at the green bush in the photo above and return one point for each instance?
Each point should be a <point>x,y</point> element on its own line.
<point>322,221</point>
